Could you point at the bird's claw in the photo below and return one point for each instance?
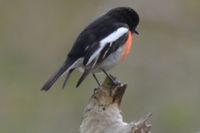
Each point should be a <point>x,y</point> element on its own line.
<point>114,82</point>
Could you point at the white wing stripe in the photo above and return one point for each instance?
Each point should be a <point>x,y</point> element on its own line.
<point>109,39</point>
<point>114,36</point>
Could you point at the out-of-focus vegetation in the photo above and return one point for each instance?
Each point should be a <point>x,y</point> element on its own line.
<point>163,72</point>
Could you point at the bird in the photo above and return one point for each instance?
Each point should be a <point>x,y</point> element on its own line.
<point>103,44</point>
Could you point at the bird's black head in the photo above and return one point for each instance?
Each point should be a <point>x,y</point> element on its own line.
<point>126,15</point>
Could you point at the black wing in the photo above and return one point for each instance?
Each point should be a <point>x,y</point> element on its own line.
<point>93,34</point>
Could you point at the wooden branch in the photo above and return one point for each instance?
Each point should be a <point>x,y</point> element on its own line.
<point>102,113</point>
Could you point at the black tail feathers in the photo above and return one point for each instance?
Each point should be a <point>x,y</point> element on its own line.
<point>67,77</point>
<point>49,83</point>
<point>84,75</point>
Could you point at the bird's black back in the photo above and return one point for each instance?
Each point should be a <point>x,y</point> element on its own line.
<point>102,27</point>
<point>96,31</point>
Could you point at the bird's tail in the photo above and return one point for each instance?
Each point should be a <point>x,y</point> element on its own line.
<point>66,67</point>
<point>84,75</point>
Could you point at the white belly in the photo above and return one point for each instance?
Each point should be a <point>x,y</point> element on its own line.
<point>111,61</point>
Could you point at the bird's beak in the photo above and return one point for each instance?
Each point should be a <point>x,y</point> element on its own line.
<point>136,32</point>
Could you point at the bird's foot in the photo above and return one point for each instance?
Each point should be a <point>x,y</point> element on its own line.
<point>114,81</point>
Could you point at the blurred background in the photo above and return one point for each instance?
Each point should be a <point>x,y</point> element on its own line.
<point>162,72</point>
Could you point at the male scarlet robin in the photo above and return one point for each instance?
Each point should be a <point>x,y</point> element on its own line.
<point>101,45</point>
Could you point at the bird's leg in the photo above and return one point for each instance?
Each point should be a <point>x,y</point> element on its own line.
<point>112,79</point>
<point>96,79</point>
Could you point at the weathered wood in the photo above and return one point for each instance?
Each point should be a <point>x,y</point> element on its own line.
<point>102,114</point>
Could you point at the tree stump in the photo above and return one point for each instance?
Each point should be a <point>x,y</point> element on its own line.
<point>102,114</point>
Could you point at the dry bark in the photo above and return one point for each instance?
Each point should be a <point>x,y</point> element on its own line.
<point>102,114</point>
